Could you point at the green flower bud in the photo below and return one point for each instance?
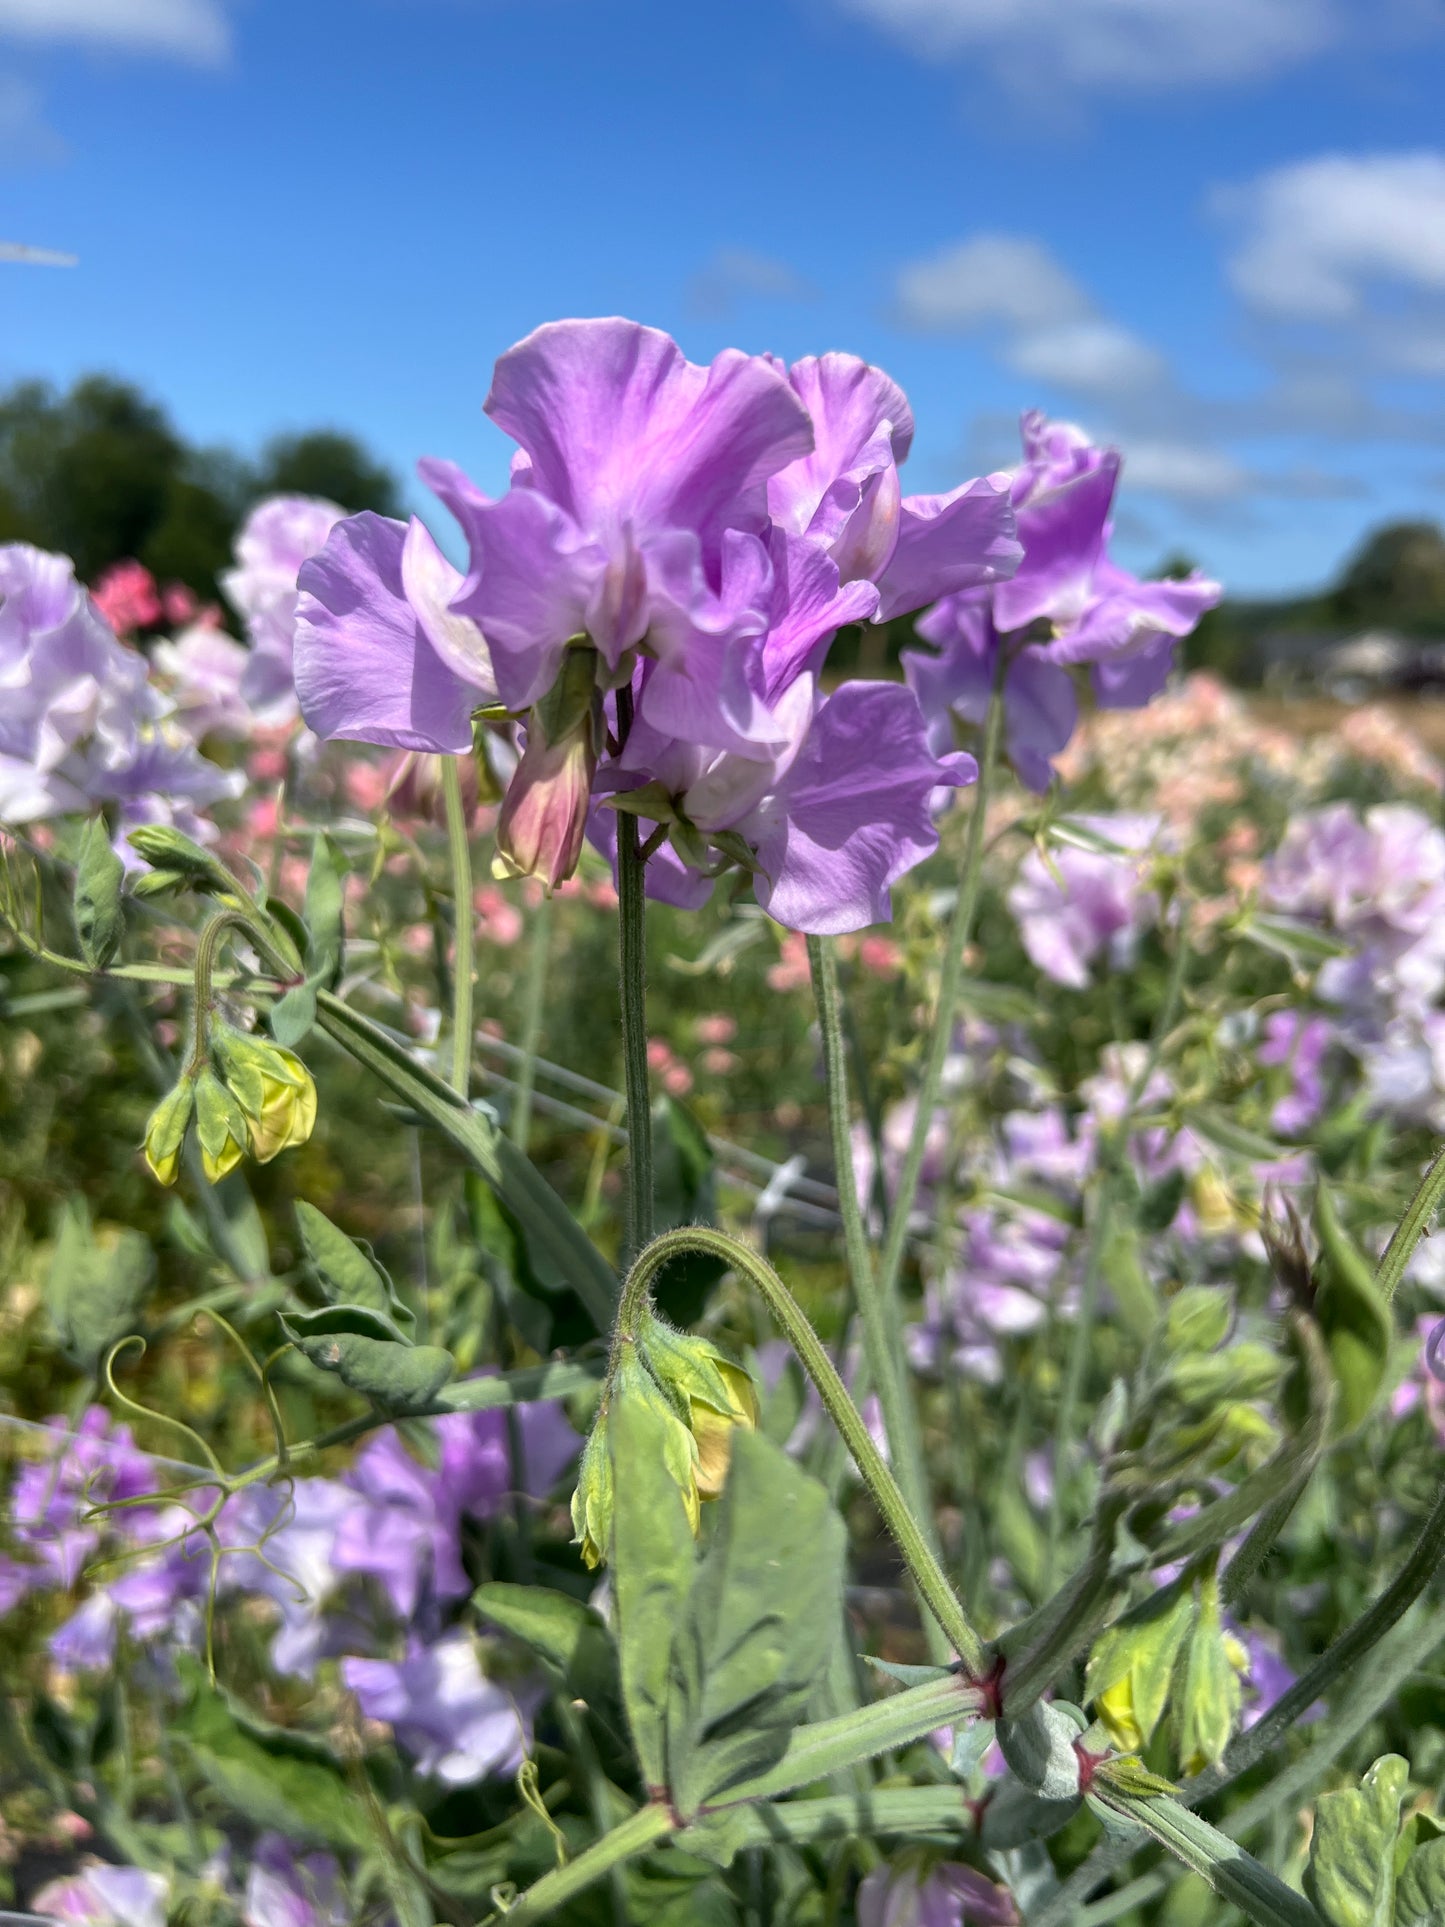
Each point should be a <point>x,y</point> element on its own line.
<point>273,1087</point>
<point>716,1394</point>
<point>592,1499</point>
<point>1132,1664</point>
<point>166,1131</point>
<point>220,1125</point>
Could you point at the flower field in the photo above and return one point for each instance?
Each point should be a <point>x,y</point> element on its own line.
<point>641,1284</point>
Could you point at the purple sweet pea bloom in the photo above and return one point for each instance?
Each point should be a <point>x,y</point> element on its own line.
<point>204,668</point>
<point>296,1528</point>
<point>455,1723</point>
<point>86,1642</point>
<point>846,495</point>
<point>634,467</point>
<point>404,1533</point>
<point>1076,906</point>
<point>838,812</point>
<point>476,1469</point>
<point>380,657</point>
<point>1299,1042</point>
<point>947,1894</point>
<point>287,1889</point>
<point>276,538</point>
<point>1094,612</point>
<point>105,1896</point>
<point>51,1495</point>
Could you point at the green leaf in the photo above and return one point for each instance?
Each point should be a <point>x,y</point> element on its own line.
<point>1159,1206</point>
<point>568,1636</point>
<point>1118,1792</point>
<point>1351,1872</point>
<point>270,1780</point>
<point>99,913</point>
<point>1013,1816</point>
<point>294,1016</point>
<point>1352,1314</point>
<point>652,1568</point>
<point>399,1377</point>
<point>347,1272</point>
<point>1040,1748</point>
<point>1197,1319</point>
<point>1420,1891</point>
<point>747,1656</point>
<point>546,1222</point>
<point>324,918</point>
<point>361,1320</point>
<point>95,1286</point>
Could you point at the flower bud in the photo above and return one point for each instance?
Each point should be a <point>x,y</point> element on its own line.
<point>166,1131</point>
<point>1132,1666</point>
<point>544,813</point>
<point>220,1125</point>
<point>717,1395</point>
<point>273,1087</point>
<point>592,1499</point>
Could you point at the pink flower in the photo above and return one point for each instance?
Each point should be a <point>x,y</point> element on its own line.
<point>717,1063</point>
<point>880,956</point>
<point>659,1054</point>
<point>501,920</point>
<point>179,604</point>
<point>126,597</point>
<point>717,1028</point>
<point>677,1080</point>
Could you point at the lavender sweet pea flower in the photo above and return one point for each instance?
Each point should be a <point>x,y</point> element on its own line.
<point>948,1894</point>
<point>204,668</point>
<point>105,1896</point>
<point>276,538</point>
<point>404,1530</point>
<point>1064,606</point>
<point>634,468</point>
<point>1298,1042</point>
<point>1076,905</point>
<point>380,657</point>
<point>51,1496</point>
<point>838,812</point>
<point>846,495</point>
<point>455,1723</point>
<point>296,1529</point>
<point>287,1889</point>
<point>476,1469</point>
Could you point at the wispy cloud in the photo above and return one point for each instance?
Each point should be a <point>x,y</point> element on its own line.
<point>26,138</point>
<point>195,30</point>
<point>734,275</point>
<point>1118,45</point>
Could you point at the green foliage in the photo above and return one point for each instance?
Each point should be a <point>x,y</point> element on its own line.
<point>98,1281</point>
<point>99,913</point>
<point>1351,1872</point>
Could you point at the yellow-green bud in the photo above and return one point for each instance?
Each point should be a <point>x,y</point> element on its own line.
<point>166,1131</point>
<point>273,1087</point>
<point>592,1499</point>
<point>220,1125</point>
<point>717,1395</point>
<point>1132,1666</point>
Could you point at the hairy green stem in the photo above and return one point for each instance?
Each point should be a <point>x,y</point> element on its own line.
<point>463,963</point>
<point>1411,1228</point>
<point>882,1329</point>
<point>532,1014</point>
<point>960,930</point>
<point>918,1556</point>
<point>632,984</point>
<point>635,1835</point>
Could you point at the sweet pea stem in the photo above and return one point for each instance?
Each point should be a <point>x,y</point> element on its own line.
<point>532,1023</point>
<point>927,1574</point>
<point>463,966</point>
<point>882,1333</point>
<point>632,979</point>
<point>960,930</point>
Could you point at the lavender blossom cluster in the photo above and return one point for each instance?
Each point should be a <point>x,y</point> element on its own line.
<point>654,598</point>
<point>365,1570</point>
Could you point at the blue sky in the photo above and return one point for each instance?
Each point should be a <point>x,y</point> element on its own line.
<point>1213,230</point>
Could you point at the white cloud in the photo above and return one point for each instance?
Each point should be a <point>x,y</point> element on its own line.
<point>25,135</point>
<point>731,275</point>
<point>989,278</point>
<point>188,29</point>
<point>1184,469</point>
<point>1321,234</point>
<point>1116,45</point>
<point>1095,357</point>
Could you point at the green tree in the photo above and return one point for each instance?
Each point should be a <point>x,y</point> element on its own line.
<point>330,464</point>
<point>1396,577</point>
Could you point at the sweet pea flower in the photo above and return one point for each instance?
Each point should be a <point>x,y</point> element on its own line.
<point>204,669</point>
<point>457,1725</point>
<point>1066,605</point>
<point>911,1893</point>
<point>126,595</point>
<point>275,539</point>
<point>105,1896</point>
<point>288,1889</point>
<point>1076,906</point>
<point>1298,1043</point>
